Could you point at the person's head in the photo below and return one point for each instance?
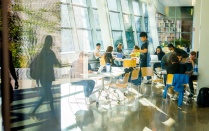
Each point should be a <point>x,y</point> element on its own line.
<point>48,42</point>
<point>109,49</point>
<point>136,47</point>
<point>120,46</point>
<point>143,36</point>
<point>158,49</point>
<point>171,47</point>
<point>179,55</point>
<point>98,45</point>
<point>174,59</point>
<point>82,54</point>
<point>193,55</point>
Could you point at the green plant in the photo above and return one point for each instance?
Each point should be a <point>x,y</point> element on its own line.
<point>181,42</point>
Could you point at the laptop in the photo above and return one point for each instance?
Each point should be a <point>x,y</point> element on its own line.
<point>119,55</point>
<point>154,57</point>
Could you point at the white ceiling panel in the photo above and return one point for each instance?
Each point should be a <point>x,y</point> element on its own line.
<point>176,2</point>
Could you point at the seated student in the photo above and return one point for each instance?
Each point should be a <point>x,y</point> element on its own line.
<point>97,53</point>
<point>137,54</point>
<point>119,50</point>
<point>108,56</point>
<point>188,70</point>
<point>194,61</point>
<point>76,71</point>
<point>174,49</point>
<point>175,67</point>
<point>160,55</point>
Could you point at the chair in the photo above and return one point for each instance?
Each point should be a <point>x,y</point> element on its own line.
<point>120,86</point>
<point>146,71</point>
<point>102,61</point>
<point>129,63</point>
<point>178,81</point>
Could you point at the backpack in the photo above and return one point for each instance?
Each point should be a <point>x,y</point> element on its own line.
<point>34,73</point>
<point>203,97</point>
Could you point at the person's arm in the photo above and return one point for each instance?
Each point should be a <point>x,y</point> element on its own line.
<point>141,51</point>
<point>12,71</point>
<point>97,54</point>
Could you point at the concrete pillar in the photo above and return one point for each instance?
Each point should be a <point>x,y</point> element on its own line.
<point>203,65</point>
<point>104,23</point>
<point>196,26</point>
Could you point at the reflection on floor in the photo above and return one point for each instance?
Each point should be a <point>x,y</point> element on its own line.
<point>145,113</point>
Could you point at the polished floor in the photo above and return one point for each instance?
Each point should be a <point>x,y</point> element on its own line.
<point>136,112</point>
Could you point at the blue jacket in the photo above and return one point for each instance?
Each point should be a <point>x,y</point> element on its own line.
<point>179,80</point>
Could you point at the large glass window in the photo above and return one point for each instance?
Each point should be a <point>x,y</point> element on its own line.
<point>117,38</point>
<point>79,2</point>
<point>81,17</point>
<point>112,5</point>
<point>85,40</point>
<point>125,6</point>
<point>115,21</point>
<point>130,40</point>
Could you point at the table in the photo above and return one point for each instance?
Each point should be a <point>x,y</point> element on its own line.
<point>116,71</point>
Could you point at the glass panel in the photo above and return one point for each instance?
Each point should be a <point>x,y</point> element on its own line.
<point>81,17</point>
<point>138,23</point>
<point>79,2</point>
<point>94,3</point>
<point>117,38</point>
<point>130,40</point>
<point>96,19</point>
<point>99,39</point>
<point>125,7</point>
<point>127,22</point>
<point>136,8</point>
<point>85,40</point>
<point>65,19</point>
<point>144,9</point>
<point>146,24</point>
<point>67,41</point>
<point>112,5</point>
<point>115,21</point>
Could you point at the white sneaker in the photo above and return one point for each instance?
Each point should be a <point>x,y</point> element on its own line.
<point>87,100</point>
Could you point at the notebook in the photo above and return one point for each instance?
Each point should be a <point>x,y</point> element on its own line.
<point>154,57</point>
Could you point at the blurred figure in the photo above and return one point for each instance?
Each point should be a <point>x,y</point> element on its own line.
<point>137,54</point>
<point>160,55</point>
<point>108,56</point>
<point>193,58</point>
<point>174,49</point>
<point>77,79</point>
<point>144,56</point>
<point>46,60</point>
<point>120,48</point>
<point>97,53</point>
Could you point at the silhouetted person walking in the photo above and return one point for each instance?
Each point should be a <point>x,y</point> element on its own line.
<point>45,73</point>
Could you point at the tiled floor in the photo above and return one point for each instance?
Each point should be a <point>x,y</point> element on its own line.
<point>148,112</point>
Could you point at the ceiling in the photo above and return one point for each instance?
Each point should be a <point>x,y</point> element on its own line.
<point>176,2</point>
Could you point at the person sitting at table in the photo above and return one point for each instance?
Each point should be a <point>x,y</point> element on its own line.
<point>76,77</point>
<point>119,50</point>
<point>136,54</point>
<point>108,56</point>
<point>97,53</point>
<point>194,61</point>
<point>174,49</point>
<point>175,68</point>
<point>160,54</point>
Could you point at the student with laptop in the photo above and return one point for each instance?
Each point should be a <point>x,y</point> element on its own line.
<point>159,52</point>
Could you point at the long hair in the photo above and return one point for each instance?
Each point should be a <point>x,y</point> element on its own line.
<point>159,48</point>
<point>48,42</point>
<point>109,49</point>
